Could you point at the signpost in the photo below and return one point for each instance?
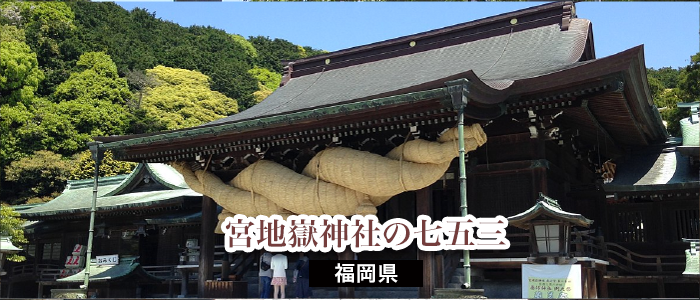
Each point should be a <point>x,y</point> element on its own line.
<point>551,281</point>
<point>107,259</point>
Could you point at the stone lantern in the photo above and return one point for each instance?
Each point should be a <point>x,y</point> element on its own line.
<point>549,228</point>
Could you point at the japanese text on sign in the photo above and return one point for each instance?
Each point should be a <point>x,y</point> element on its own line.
<point>303,233</point>
<point>361,273</point>
<point>107,259</point>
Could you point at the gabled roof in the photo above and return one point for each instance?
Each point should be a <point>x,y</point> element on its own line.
<point>549,207</point>
<point>117,193</point>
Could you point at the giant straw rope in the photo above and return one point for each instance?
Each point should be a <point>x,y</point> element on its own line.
<point>337,181</point>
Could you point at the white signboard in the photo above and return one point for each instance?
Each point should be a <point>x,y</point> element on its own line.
<point>551,281</point>
<point>107,259</point>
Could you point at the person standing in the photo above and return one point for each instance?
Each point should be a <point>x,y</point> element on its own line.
<point>265,274</point>
<point>301,278</point>
<point>279,275</point>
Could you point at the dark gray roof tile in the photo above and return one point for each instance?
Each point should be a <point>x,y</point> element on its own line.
<point>498,61</point>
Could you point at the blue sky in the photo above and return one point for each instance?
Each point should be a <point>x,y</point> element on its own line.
<point>668,30</point>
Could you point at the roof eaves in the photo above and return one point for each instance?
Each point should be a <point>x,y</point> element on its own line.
<point>278,120</point>
<point>106,208</point>
<point>693,185</point>
<point>548,207</point>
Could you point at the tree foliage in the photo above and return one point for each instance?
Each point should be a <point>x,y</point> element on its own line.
<point>11,225</point>
<point>19,73</point>
<point>96,79</point>
<point>42,174</point>
<point>266,77</point>
<point>85,166</point>
<point>672,86</point>
<point>245,45</point>
<point>10,33</point>
<point>47,27</point>
<point>73,70</point>
<point>183,99</point>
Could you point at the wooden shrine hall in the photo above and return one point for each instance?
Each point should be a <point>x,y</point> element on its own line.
<point>543,115</point>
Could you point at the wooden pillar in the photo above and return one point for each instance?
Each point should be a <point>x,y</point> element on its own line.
<point>424,206</point>
<point>185,275</point>
<point>584,282</point>
<point>439,271</point>
<point>225,266</point>
<point>171,288</point>
<point>602,283</point>
<point>592,286</point>
<point>206,245</point>
<point>346,292</point>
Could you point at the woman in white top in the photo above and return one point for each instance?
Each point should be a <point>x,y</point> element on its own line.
<point>279,274</point>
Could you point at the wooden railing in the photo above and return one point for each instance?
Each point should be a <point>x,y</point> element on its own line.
<point>635,263</point>
<point>49,274</point>
<point>243,262</point>
<point>219,253</point>
<point>30,269</point>
<point>163,272</point>
<point>585,244</point>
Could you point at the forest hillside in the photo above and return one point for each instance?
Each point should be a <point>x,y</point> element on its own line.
<point>70,71</point>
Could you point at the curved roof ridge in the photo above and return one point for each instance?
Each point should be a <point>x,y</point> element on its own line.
<point>167,176</point>
<point>126,182</point>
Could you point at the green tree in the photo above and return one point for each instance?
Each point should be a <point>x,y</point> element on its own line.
<point>26,129</point>
<point>183,99</point>
<point>93,98</point>
<point>11,224</point>
<point>96,79</point>
<point>245,45</point>
<point>47,26</point>
<point>689,80</point>
<point>268,82</point>
<point>19,73</point>
<point>85,166</point>
<point>672,86</point>
<point>43,174</point>
<point>10,33</point>
<point>266,77</point>
<point>272,52</point>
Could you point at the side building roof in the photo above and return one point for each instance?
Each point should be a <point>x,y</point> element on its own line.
<point>149,185</point>
<point>655,169</point>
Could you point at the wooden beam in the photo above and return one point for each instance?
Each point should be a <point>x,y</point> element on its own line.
<point>206,246</point>
<point>424,206</point>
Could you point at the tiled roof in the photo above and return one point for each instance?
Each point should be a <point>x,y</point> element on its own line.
<point>498,61</point>
<point>653,169</point>
<point>114,193</point>
<point>547,206</point>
